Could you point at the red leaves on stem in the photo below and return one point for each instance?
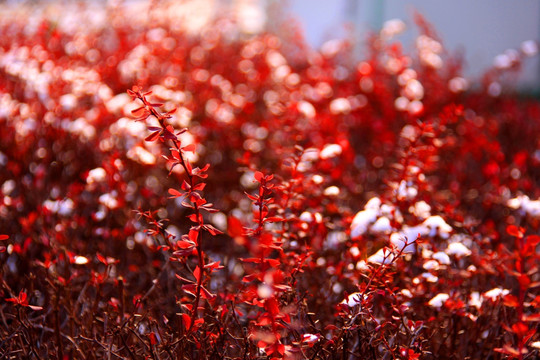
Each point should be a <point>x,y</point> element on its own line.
<point>22,300</point>
<point>192,243</point>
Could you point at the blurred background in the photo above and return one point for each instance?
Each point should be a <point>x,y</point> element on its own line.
<point>480,29</point>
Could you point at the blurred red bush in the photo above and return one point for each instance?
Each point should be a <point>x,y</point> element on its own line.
<point>381,209</point>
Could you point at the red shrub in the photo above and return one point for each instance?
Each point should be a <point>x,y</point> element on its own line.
<point>315,207</point>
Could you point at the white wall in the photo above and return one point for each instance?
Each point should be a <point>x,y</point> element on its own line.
<point>483,28</point>
<point>321,20</point>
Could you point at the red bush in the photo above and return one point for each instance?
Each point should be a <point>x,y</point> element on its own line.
<point>315,207</point>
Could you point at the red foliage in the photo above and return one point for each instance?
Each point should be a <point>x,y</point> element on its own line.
<point>318,207</point>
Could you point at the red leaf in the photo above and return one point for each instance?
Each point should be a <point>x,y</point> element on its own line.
<point>249,278</point>
<point>514,231</point>
<point>197,273</point>
<point>105,260</point>
<point>251,197</point>
<point>532,317</point>
<point>274,219</point>
<point>510,300</point>
<point>213,265</point>
<point>530,244</point>
<point>184,279</point>
<point>201,172</point>
<point>533,239</point>
<point>199,186</point>
<point>251,260</point>
<point>185,244</point>
<point>23,298</point>
<point>153,136</point>
<point>264,321</point>
<point>234,227</point>
<point>195,219</point>
<point>212,230</point>
<point>169,134</point>
<point>258,176</point>
<point>193,235</point>
<point>187,205</point>
<point>153,338</point>
<point>175,154</point>
<point>520,329</point>
<point>190,148</point>
<point>4,237</point>
<point>186,186</point>
<point>190,289</point>
<point>175,193</point>
<point>273,262</point>
<point>137,111</point>
<point>524,281</point>
<point>207,294</point>
<point>271,305</point>
<point>186,319</point>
